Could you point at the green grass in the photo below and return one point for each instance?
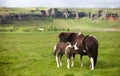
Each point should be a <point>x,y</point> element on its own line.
<point>31,54</point>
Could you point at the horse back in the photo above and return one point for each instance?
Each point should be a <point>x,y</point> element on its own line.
<point>90,42</point>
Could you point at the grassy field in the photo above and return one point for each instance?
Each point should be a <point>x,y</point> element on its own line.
<point>31,54</point>
<point>25,51</point>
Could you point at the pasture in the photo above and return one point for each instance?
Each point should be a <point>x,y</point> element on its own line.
<point>31,54</point>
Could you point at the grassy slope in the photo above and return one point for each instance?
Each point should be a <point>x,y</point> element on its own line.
<point>49,24</point>
<point>31,54</point>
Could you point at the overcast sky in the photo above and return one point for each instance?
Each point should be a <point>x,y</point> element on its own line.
<point>61,3</point>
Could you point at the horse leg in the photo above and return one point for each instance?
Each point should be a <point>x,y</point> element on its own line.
<point>60,58</point>
<point>68,61</point>
<point>73,60</point>
<point>92,61</point>
<point>57,61</point>
<point>81,60</point>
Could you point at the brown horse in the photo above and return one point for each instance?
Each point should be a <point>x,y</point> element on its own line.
<point>86,45</point>
<point>63,48</point>
<point>59,50</point>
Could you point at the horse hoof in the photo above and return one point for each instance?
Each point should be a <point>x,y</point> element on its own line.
<point>68,67</point>
<point>58,66</point>
<point>92,68</point>
<point>81,65</point>
<point>72,65</point>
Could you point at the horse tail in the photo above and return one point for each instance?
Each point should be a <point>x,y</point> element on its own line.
<point>95,57</point>
<point>54,51</point>
<point>96,53</point>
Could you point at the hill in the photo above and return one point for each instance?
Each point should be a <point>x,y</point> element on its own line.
<point>59,25</point>
<point>34,22</point>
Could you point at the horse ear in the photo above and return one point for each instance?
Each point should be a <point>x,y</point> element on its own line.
<point>61,35</point>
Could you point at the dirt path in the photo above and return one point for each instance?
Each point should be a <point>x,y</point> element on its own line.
<point>108,29</point>
<point>102,29</point>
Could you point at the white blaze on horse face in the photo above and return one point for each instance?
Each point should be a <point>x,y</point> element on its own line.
<point>92,63</point>
<point>57,61</point>
<point>75,46</point>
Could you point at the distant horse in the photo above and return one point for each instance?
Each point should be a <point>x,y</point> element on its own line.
<point>86,45</point>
